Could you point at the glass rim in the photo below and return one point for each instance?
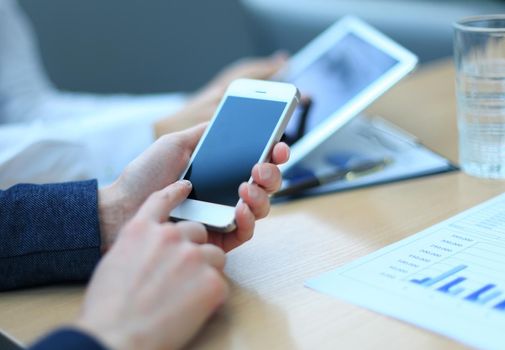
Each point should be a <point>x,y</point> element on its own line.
<point>463,24</point>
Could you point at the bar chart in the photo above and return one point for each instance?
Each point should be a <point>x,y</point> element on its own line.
<point>451,285</point>
<point>479,280</point>
<point>429,281</point>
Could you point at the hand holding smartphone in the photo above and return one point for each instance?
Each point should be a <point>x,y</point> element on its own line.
<point>249,121</point>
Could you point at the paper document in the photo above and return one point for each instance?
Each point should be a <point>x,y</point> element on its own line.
<point>449,278</point>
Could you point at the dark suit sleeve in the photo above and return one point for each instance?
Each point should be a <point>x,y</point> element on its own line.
<point>67,338</point>
<point>48,234</point>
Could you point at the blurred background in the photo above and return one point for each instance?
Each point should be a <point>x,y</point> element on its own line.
<point>140,46</point>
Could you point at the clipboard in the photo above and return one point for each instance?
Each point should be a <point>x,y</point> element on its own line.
<point>366,139</point>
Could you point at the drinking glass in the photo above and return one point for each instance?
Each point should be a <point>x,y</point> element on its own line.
<point>479,53</point>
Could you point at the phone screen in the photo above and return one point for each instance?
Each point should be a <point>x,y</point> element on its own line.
<point>233,145</point>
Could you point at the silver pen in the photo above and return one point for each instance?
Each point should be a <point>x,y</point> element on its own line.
<point>349,174</point>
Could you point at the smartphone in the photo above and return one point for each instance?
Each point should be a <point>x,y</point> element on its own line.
<point>249,121</point>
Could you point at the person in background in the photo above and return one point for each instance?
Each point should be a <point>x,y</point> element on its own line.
<point>48,135</point>
<point>159,281</point>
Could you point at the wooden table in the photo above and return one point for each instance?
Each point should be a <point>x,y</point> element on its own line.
<point>269,308</point>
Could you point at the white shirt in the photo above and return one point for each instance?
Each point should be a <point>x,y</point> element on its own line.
<point>51,136</point>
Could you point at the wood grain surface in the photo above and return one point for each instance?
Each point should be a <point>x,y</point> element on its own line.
<point>269,307</point>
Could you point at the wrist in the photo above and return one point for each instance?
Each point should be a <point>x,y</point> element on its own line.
<point>112,214</point>
<point>160,128</point>
<point>176,122</point>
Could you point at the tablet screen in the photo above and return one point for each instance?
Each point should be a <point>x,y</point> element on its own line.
<point>335,78</point>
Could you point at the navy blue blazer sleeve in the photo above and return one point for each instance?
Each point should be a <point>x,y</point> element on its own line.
<point>67,338</point>
<point>48,233</point>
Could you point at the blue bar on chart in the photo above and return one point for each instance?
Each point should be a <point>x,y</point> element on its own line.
<point>429,281</point>
<point>482,296</point>
<point>448,288</point>
<point>500,306</point>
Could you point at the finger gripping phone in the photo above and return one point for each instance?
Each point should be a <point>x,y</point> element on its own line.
<point>249,121</point>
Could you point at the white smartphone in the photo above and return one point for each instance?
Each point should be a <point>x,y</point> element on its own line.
<point>249,121</point>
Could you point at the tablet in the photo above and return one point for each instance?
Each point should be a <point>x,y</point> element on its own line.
<point>342,71</point>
